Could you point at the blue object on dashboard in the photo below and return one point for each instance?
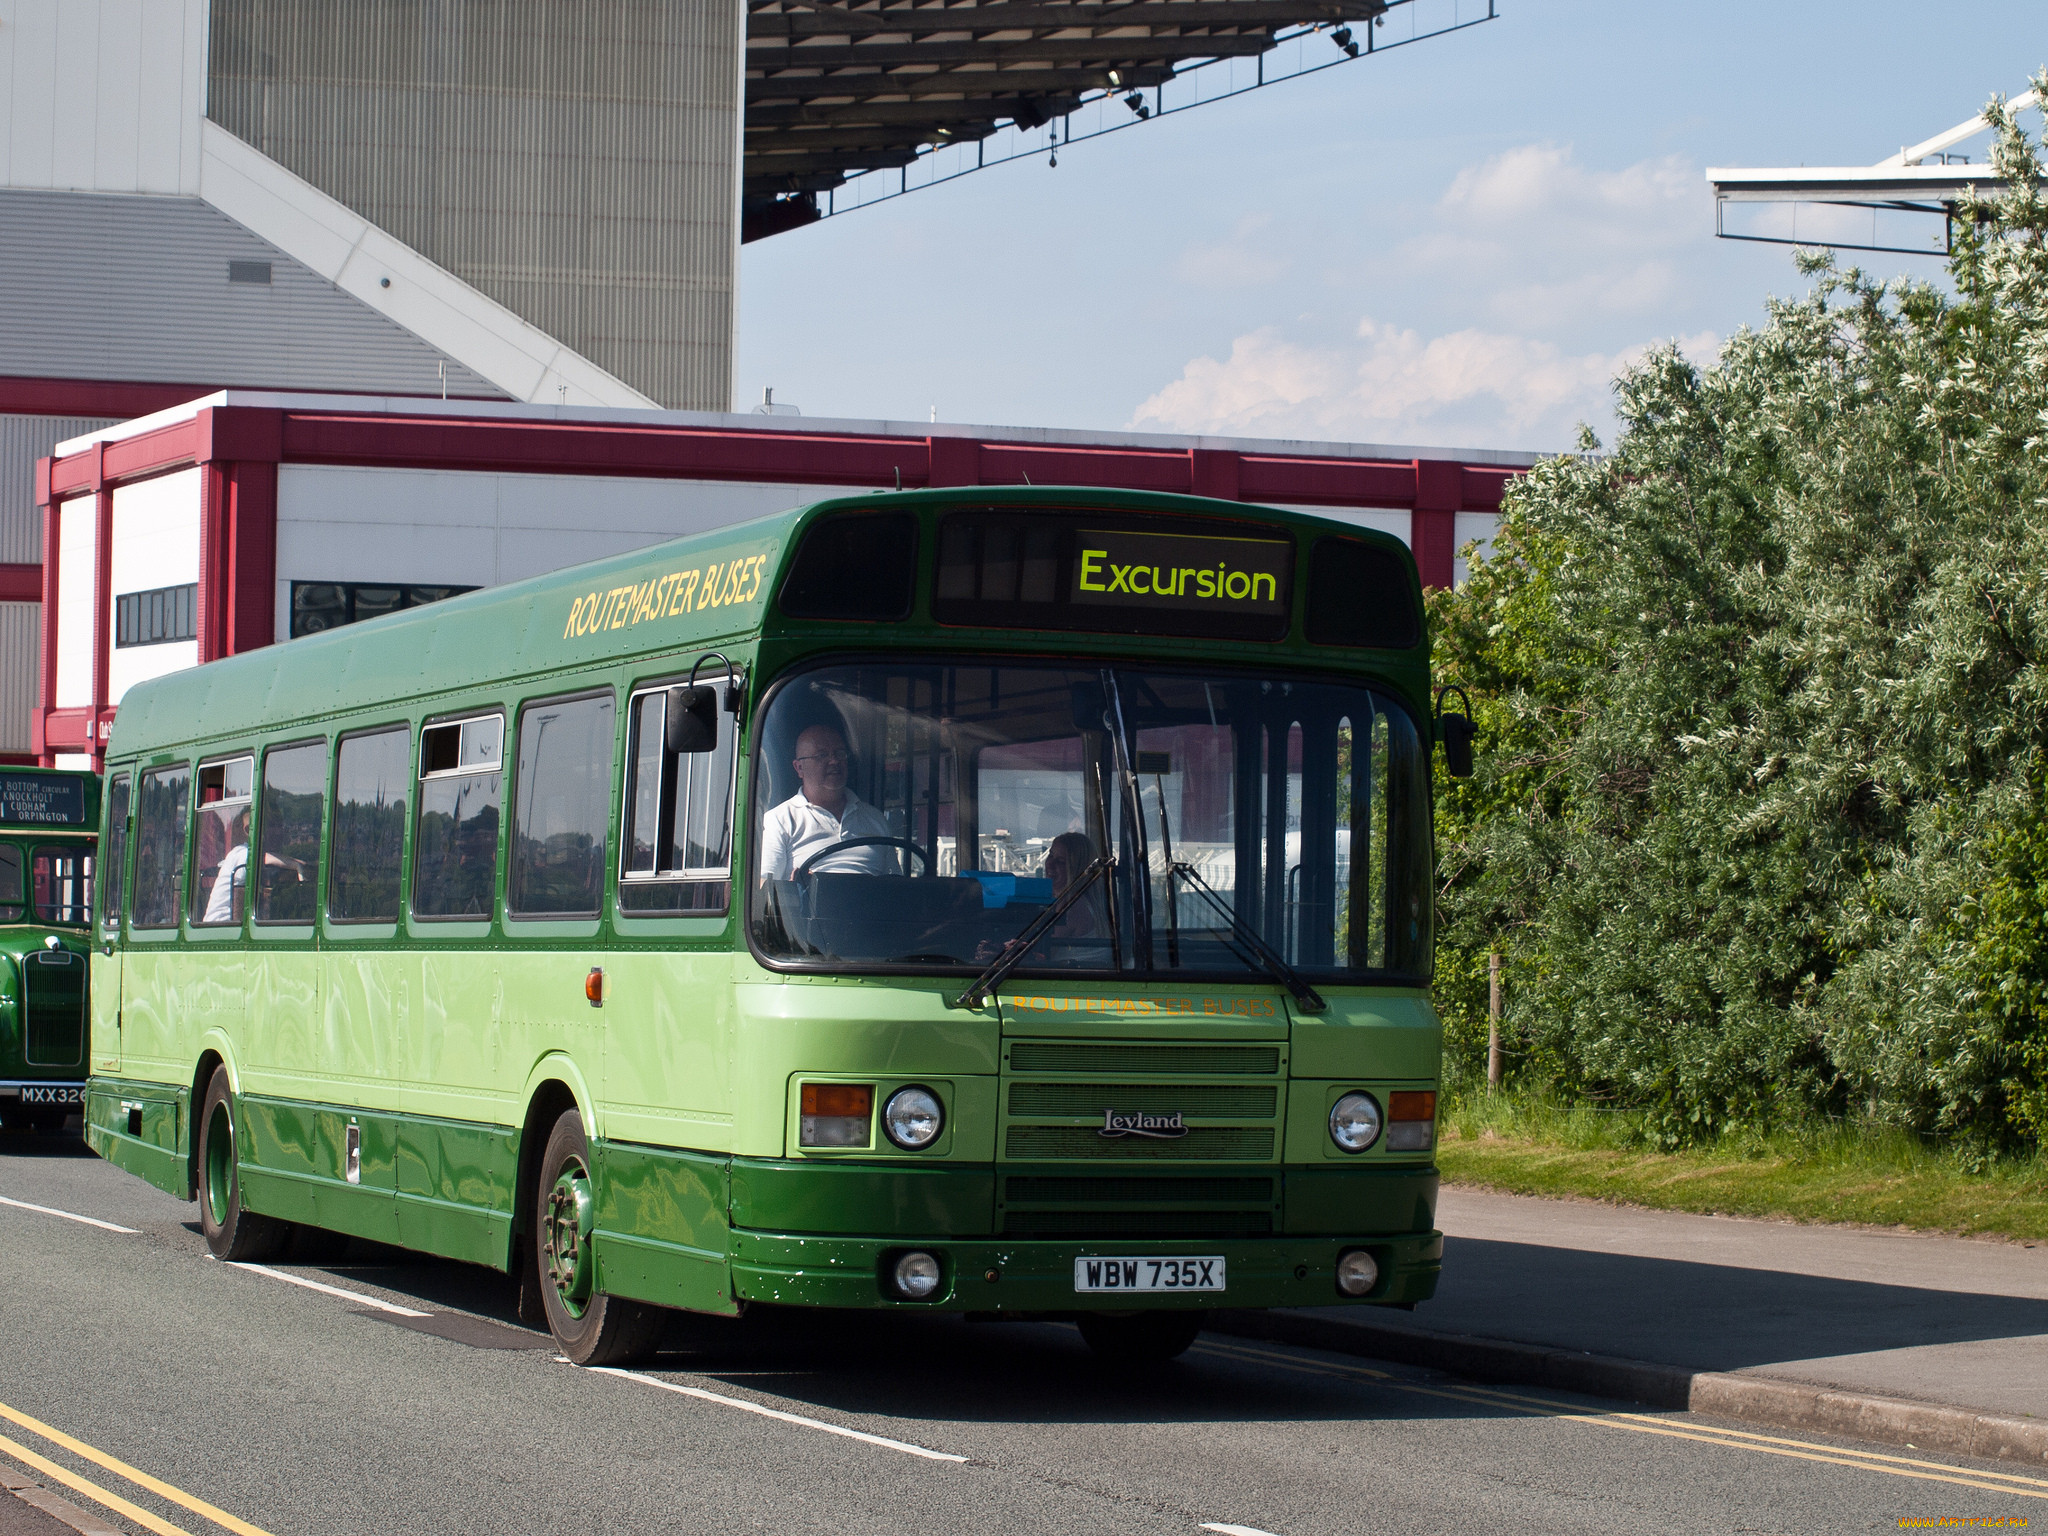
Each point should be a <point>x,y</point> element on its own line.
<point>1000,890</point>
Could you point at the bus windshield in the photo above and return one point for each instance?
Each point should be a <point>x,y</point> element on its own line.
<point>916,815</point>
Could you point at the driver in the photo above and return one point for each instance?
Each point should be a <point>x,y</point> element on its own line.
<point>822,813</point>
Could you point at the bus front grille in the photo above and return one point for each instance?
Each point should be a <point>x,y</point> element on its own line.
<point>1132,1057</point>
<point>53,1010</point>
<point>1201,1144</point>
<point>1210,1100</point>
<point>1142,1101</point>
<point>1174,1224</point>
<point>1139,1205</point>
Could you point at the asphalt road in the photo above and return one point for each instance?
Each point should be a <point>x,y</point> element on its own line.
<point>212,1397</point>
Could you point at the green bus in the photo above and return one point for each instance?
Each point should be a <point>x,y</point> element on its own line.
<point>49,824</point>
<point>1009,902</point>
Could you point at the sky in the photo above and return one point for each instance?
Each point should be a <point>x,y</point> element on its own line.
<point>1453,244</point>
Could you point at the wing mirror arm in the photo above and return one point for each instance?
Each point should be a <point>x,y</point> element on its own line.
<point>1457,732</point>
<point>690,716</point>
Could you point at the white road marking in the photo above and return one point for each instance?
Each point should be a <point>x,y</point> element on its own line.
<point>50,1210</point>
<point>331,1290</point>
<point>776,1413</point>
<point>1237,1530</point>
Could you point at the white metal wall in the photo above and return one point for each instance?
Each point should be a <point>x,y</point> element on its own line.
<point>575,162</point>
<point>156,544</point>
<point>21,649</point>
<point>78,540</point>
<point>102,95</point>
<point>459,527</point>
<point>104,287</point>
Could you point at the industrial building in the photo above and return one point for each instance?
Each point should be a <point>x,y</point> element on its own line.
<point>242,519</point>
<point>518,201</point>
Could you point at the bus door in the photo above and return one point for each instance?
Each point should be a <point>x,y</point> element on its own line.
<point>107,963</point>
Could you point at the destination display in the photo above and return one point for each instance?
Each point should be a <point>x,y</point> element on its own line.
<point>1080,571</point>
<point>36,800</point>
<point>1184,571</point>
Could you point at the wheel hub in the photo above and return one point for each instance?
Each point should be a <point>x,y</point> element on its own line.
<point>565,1238</point>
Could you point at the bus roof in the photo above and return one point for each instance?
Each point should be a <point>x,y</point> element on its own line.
<point>680,598</point>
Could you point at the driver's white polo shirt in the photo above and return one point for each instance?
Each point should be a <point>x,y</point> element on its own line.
<point>796,829</point>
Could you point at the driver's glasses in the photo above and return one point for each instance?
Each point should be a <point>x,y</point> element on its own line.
<point>839,756</point>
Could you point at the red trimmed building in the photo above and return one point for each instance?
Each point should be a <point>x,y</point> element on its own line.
<point>240,519</point>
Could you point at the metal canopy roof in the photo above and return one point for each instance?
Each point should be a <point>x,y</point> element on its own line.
<point>834,90</point>
<point>1920,179</point>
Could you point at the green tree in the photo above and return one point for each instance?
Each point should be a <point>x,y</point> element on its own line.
<point>1760,693</point>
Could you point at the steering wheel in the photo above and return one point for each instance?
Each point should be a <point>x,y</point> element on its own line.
<point>864,842</point>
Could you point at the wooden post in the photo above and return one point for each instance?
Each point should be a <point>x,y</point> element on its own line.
<point>1493,1021</point>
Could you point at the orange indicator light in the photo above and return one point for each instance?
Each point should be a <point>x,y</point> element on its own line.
<point>1411,1106</point>
<point>849,1099</point>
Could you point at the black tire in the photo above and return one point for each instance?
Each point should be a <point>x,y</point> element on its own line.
<point>591,1327</point>
<point>236,1236</point>
<point>1139,1338</point>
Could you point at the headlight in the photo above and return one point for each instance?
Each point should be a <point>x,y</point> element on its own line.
<point>1357,1273</point>
<point>1355,1122</point>
<point>913,1118</point>
<point>915,1276</point>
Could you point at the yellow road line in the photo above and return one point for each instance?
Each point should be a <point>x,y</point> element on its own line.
<point>1737,1440</point>
<point>93,1491</point>
<point>135,1475</point>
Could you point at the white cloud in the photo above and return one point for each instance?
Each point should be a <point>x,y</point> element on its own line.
<point>1250,258</point>
<point>1500,319</point>
<point>1388,384</point>
<point>1545,242</point>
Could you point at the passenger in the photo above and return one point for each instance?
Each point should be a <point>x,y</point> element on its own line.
<point>823,813</point>
<point>233,871</point>
<point>1070,854</point>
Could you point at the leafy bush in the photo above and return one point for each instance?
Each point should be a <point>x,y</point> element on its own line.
<point>1757,824</point>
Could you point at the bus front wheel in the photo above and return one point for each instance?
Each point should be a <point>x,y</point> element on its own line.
<point>1139,1337</point>
<point>591,1327</point>
<point>236,1236</point>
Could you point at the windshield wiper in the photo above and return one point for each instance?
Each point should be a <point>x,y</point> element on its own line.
<point>1310,999</point>
<point>1014,952</point>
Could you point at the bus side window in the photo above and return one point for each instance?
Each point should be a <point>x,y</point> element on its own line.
<point>220,848</point>
<point>160,846</point>
<point>455,850</point>
<point>368,836</point>
<point>60,884</point>
<point>562,802</point>
<point>11,907</point>
<point>288,833</point>
<point>676,855</point>
<point>114,867</point>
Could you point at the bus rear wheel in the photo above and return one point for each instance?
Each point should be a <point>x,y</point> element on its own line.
<point>1141,1337</point>
<point>591,1327</point>
<point>236,1236</point>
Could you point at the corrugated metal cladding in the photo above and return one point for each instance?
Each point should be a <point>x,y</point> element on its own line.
<point>114,287</point>
<point>573,159</point>
<point>23,440</point>
<point>21,649</point>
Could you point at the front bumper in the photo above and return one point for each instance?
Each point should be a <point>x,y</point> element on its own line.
<point>1036,1277</point>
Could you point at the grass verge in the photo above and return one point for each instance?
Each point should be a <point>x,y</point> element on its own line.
<point>1819,1173</point>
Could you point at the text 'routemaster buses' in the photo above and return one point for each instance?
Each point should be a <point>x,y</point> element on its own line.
<point>1013,902</point>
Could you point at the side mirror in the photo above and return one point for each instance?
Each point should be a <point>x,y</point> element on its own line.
<point>690,723</point>
<point>1457,732</point>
